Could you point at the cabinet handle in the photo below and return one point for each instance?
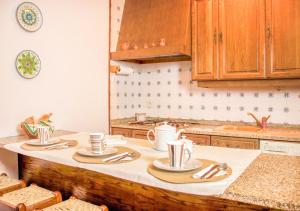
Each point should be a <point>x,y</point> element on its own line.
<point>215,37</point>
<point>221,37</point>
<point>268,33</point>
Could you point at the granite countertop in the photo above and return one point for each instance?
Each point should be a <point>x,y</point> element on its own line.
<point>278,132</point>
<point>16,139</point>
<point>271,181</point>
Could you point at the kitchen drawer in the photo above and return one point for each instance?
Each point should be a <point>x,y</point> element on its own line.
<point>141,134</point>
<point>121,131</point>
<point>280,147</point>
<point>234,142</point>
<point>198,139</point>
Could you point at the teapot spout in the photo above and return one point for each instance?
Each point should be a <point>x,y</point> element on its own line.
<point>177,135</point>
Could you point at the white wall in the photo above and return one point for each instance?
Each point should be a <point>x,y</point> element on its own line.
<point>73,83</point>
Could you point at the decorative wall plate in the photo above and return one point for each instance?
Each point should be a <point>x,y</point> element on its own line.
<point>28,64</point>
<point>29,16</point>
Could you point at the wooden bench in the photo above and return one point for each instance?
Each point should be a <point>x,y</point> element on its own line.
<point>8,184</point>
<point>28,199</point>
<point>75,204</point>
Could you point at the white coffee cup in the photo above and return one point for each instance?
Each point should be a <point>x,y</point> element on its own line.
<point>177,152</point>
<point>43,133</point>
<point>98,143</point>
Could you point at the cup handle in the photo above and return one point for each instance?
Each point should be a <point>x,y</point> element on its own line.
<point>189,153</point>
<point>148,137</point>
<point>47,135</point>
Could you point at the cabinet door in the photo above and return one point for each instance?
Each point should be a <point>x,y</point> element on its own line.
<point>241,39</point>
<point>204,39</point>
<point>283,38</point>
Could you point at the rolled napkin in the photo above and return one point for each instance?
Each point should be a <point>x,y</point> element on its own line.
<point>113,140</point>
<point>207,169</point>
<point>203,171</point>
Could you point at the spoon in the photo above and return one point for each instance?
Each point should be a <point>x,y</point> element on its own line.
<point>221,166</point>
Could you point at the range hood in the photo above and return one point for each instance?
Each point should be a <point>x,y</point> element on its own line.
<point>154,31</point>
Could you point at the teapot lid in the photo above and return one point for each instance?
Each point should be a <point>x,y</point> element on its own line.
<point>165,126</point>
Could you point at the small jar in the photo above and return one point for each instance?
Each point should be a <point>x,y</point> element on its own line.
<point>140,117</point>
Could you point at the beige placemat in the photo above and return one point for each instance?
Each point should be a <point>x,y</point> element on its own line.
<point>186,177</point>
<point>71,143</point>
<point>98,160</point>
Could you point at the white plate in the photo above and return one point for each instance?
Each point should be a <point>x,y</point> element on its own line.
<point>163,164</point>
<point>88,152</point>
<point>36,142</point>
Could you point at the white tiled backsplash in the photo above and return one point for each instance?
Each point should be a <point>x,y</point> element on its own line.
<point>166,90</point>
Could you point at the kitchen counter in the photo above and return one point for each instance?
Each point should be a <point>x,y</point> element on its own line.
<point>290,133</point>
<point>271,181</point>
<point>148,155</point>
<point>16,139</point>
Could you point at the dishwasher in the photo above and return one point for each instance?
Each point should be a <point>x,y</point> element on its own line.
<point>280,147</point>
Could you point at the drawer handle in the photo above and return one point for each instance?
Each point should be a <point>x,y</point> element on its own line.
<point>267,150</point>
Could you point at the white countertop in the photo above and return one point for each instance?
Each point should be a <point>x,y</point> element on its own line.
<point>136,171</point>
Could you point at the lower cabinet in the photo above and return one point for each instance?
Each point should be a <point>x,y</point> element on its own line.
<point>220,141</point>
<point>235,142</point>
<point>121,131</point>
<point>198,138</point>
<point>141,134</point>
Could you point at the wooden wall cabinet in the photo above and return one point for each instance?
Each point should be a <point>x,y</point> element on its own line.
<point>245,40</point>
<point>241,39</point>
<point>204,40</point>
<point>283,38</point>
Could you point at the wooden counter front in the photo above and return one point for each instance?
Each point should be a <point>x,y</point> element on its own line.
<point>116,193</point>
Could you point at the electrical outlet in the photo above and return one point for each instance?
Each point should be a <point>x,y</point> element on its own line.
<point>148,104</point>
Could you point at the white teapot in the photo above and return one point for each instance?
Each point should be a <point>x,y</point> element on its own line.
<point>163,134</point>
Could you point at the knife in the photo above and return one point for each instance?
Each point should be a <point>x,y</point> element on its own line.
<point>115,157</point>
<point>56,145</point>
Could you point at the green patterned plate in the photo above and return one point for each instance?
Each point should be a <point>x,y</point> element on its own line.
<point>28,64</point>
<point>29,16</point>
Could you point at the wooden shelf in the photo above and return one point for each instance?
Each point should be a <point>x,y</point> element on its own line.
<point>264,83</point>
<point>150,55</point>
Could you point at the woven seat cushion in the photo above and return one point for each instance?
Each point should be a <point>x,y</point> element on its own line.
<point>29,196</point>
<point>73,205</point>
<point>6,182</point>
